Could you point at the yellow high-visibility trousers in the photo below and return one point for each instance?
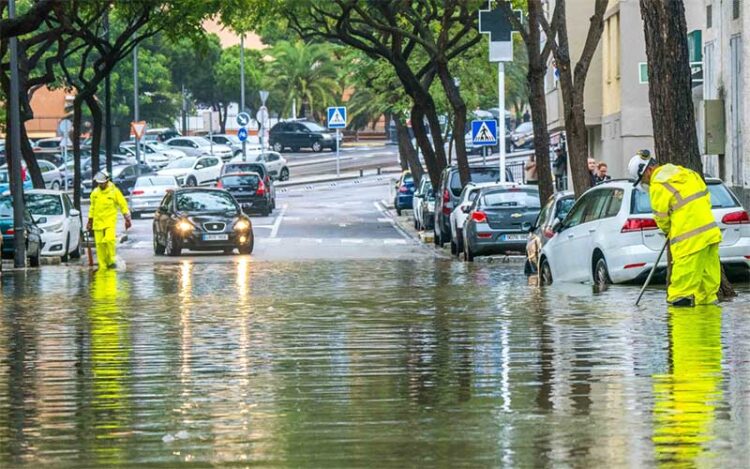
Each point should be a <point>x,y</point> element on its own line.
<point>696,275</point>
<point>105,247</point>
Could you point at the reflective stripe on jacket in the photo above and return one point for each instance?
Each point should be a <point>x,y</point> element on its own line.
<point>104,206</point>
<point>682,208</point>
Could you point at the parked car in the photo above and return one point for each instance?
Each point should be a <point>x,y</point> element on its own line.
<point>48,144</point>
<point>274,162</point>
<point>60,223</point>
<point>610,235</point>
<point>151,158</point>
<point>496,220</point>
<point>32,233</point>
<point>255,167</point>
<point>232,141</point>
<point>150,147</point>
<point>160,135</point>
<point>52,176</point>
<point>201,219</point>
<point>459,214</point>
<point>404,194</point>
<point>554,211</point>
<point>191,171</point>
<point>248,190</point>
<point>449,191</point>
<point>67,169</point>
<point>148,192</point>
<point>301,134</point>
<point>522,137</point>
<point>424,205</point>
<point>199,146</point>
<point>5,181</point>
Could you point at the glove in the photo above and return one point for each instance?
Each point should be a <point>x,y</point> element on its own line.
<point>90,225</point>
<point>128,223</point>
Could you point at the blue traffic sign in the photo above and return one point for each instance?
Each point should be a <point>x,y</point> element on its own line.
<point>242,134</point>
<point>337,117</point>
<point>484,132</point>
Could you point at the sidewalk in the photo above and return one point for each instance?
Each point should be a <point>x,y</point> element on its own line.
<point>345,176</point>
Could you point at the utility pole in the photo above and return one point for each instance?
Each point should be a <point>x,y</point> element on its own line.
<point>501,117</point>
<point>135,103</point>
<point>184,111</point>
<point>16,186</point>
<point>107,106</point>
<point>242,88</point>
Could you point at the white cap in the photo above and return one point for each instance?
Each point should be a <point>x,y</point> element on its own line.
<point>101,177</point>
<point>638,164</point>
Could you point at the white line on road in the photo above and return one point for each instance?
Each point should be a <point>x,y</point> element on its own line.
<point>277,223</point>
<point>381,208</point>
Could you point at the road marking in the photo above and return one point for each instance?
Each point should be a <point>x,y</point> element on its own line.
<point>267,227</point>
<point>277,223</point>
<point>394,241</point>
<point>352,241</point>
<point>385,220</point>
<point>380,206</point>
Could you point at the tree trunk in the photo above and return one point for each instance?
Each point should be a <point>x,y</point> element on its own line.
<point>97,118</point>
<point>223,120</point>
<point>408,153</point>
<point>670,92</point>
<point>434,166</point>
<point>77,118</point>
<point>459,120</point>
<point>27,153</point>
<point>402,136</point>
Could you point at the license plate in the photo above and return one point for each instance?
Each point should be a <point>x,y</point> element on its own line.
<point>513,237</point>
<point>215,237</point>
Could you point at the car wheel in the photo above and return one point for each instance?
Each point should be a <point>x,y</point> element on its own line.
<point>34,260</point>
<point>76,254</point>
<point>545,273</point>
<point>158,248</point>
<point>601,272</point>
<point>468,255</point>
<point>66,257</point>
<point>416,224</point>
<point>278,147</point>
<point>171,248</point>
<point>454,249</point>
<point>459,241</point>
<point>191,182</point>
<point>55,185</point>
<point>284,175</point>
<point>247,248</point>
<point>317,147</point>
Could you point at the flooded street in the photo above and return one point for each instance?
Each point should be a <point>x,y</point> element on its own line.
<point>346,363</point>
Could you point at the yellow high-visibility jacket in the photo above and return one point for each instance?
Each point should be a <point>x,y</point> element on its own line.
<point>104,206</point>
<point>682,208</point>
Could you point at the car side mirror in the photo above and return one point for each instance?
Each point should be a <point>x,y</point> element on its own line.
<point>557,226</point>
<point>41,220</point>
<point>74,213</point>
<point>200,166</point>
<point>528,227</point>
<point>466,208</point>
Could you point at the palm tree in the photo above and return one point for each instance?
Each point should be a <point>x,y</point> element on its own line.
<point>306,73</point>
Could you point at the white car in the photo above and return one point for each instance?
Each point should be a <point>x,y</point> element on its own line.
<point>191,171</point>
<point>153,159</point>
<point>155,154</point>
<point>275,163</point>
<point>148,193</point>
<point>459,215</point>
<point>60,223</point>
<point>52,176</point>
<point>610,236</point>
<point>199,146</point>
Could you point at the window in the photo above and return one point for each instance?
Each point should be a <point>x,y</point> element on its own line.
<point>695,46</point>
<point>709,16</point>
<point>576,214</point>
<point>127,172</point>
<point>564,206</point>
<point>595,209</point>
<point>166,202</point>
<point>643,73</point>
<point>272,157</point>
<point>736,9</point>
<point>615,203</point>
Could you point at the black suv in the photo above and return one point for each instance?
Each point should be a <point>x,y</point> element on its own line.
<point>301,134</point>
<point>449,191</point>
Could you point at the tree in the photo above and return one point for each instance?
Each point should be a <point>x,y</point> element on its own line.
<point>227,76</point>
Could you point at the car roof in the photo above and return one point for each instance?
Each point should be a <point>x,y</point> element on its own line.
<point>199,189</point>
<point>242,173</point>
<point>45,192</point>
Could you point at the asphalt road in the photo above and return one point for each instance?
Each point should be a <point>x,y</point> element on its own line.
<point>303,164</point>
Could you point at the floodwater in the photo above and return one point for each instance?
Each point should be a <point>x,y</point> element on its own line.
<point>371,363</point>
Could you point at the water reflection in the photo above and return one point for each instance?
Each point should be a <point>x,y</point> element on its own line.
<point>360,364</point>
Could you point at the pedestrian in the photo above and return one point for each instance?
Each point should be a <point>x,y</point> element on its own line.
<point>601,173</point>
<point>106,200</point>
<point>592,170</point>
<point>526,116</point>
<point>682,209</point>
<point>531,171</point>
<point>560,167</point>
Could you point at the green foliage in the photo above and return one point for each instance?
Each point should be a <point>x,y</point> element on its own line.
<point>227,75</point>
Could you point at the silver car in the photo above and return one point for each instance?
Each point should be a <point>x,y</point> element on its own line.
<point>495,224</point>
<point>148,193</point>
<point>199,146</point>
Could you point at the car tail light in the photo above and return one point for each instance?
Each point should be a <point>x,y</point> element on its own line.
<point>484,235</point>
<point>403,189</point>
<point>548,233</point>
<point>261,189</point>
<point>219,185</point>
<point>137,192</point>
<point>446,196</point>
<point>10,231</point>
<point>736,218</point>
<point>479,217</point>
<point>638,224</point>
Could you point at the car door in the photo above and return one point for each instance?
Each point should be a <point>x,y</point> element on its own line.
<point>561,257</point>
<point>213,169</point>
<point>580,238</point>
<point>74,221</point>
<point>273,163</point>
<point>125,180</point>
<point>161,217</point>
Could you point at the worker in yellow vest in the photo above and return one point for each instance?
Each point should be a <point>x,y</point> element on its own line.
<point>681,205</point>
<point>106,200</point>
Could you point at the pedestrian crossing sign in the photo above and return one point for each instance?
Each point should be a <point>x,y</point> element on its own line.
<point>484,132</point>
<point>337,117</point>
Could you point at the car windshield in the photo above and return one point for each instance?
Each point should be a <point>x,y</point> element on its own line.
<point>240,180</point>
<point>233,139</point>
<point>478,175</point>
<point>158,146</point>
<point>213,201</point>
<point>182,163</point>
<point>524,128</point>
<point>720,198</point>
<point>156,181</point>
<point>564,206</point>
<point>314,127</point>
<point>511,198</point>
<point>44,204</point>
<point>6,207</point>
<point>408,180</point>
<point>117,170</point>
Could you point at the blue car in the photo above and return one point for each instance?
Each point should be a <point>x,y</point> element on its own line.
<point>404,192</point>
<point>5,182</point>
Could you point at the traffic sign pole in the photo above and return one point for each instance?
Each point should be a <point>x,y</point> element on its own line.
<point>501,117</point>
<point>338,162</point>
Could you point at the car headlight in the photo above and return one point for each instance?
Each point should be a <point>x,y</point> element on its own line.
<point>56,228</point>
<point>184,226</point>
<point>242,225</point>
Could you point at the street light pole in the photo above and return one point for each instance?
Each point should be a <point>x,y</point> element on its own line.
<point>242,88</point>
<point>107,105</point>
<point>16,186</point>
<point>135,102</point>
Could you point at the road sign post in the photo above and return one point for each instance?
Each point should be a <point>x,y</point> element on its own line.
<point>139,129</point>
<point>337,120</point>
<point>63,131</point>
<point>243,119</point>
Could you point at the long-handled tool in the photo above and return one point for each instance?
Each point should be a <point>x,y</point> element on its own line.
<point>651,274</point>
